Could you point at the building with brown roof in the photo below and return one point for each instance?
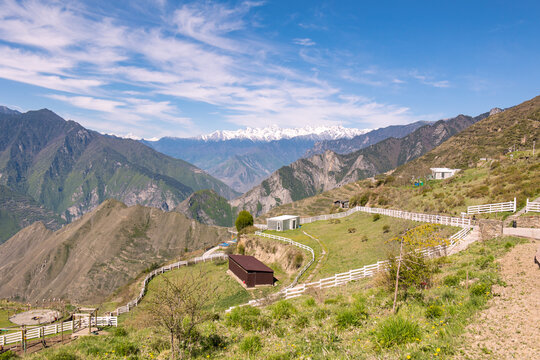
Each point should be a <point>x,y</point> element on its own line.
<point>250,271</point>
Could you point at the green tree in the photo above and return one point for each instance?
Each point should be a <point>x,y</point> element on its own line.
<point>243,220</point>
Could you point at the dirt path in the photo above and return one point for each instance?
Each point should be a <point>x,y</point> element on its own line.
<point>319,262</point>
<point>510,327</point>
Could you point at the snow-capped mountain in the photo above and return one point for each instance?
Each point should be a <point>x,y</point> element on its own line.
<point>274,132</point>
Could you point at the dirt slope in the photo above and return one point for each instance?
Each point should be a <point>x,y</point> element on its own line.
<point>510,327</point>
<point>88,259</point>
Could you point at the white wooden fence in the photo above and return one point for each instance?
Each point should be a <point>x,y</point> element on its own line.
<point>370,270</point>
<point>532,206</point>
<point>436,219</point>
<point>130,305</point>
<point>297,244</point>
<point>492,208</point>
<point>53,329</point>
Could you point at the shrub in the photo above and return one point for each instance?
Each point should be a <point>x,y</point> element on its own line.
<point>282,310</point>
<point>351,230</point>
<point>58,356</point>
<point>126,349</point>
<point>310,302</point>
<point>485,261</point>
<point>251,344</point>
<point>212,341</point>
<point>451,280</point>
<point>480,289</point>
<point>247,317</point>
<point>448,294</point>
<point>243,220</point>
<point>417,272</point>
<point>364,238</point>
<point>152,267</point>
<point>118,331</point>
<point>320,314</point>
<point>298,260</point>
<point>346,318</point>
<point>434,311</point>
<point>9,355</point>
<point>301,321</point>
<point>376,217</point>
<point>396,331</point>
<point>241,249</point>
<point>386,228</point>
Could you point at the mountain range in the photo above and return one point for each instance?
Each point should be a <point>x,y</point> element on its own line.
<point>70,170</point>
<point>244,158</point>
<point>310,176</point>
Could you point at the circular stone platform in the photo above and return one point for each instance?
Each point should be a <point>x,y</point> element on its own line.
<point>35,317</point>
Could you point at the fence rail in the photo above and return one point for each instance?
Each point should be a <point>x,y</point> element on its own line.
<point>492,208</point>
<point>53,329</point>
<point>436,219</point>
<point>133,303</point>
<point>532,206</point>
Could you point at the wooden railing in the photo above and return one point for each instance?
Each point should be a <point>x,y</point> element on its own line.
<point>436,219</point>
<point>40,332</point>
<point>492,208</point>
<point>133,303</point>
<point>532,206</point>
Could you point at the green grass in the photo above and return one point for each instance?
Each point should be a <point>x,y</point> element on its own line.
<point>346,250</point>
<point>352,321</point>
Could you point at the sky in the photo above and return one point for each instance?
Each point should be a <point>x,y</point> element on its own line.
<point>174,68</point>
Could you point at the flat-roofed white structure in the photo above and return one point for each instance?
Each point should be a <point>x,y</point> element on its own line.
<point>443,173</point>
<point>283,222</point>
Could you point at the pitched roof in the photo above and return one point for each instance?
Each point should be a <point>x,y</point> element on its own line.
<point>250,263</point>
<point>284,217</point>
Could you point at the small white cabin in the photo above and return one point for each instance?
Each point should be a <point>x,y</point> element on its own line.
<point>283,222</point>
<point>443,173</point>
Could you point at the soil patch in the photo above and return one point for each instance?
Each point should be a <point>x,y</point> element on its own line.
<point>510,327</point>
<point>35,317</point>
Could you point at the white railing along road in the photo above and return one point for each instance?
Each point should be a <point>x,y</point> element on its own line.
<point>532,206</point>
<point>492,208</point>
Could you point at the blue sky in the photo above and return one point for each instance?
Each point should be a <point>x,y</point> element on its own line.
<point>174,68</point>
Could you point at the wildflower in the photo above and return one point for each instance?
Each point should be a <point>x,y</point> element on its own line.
<point>408,356</point>
<point>438,349</point>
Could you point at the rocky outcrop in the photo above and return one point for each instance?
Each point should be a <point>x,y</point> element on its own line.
<point>289,258</point>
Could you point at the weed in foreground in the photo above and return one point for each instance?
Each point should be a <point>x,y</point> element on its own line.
<point>397,330</point>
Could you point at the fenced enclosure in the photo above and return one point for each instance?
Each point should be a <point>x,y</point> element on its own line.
<point>289,241</point>
<point>41,332</point>
<point>429,218</point>
<point>492,208</point>
<point>130,305</point>
<point>532,206</point>
<point>370,270</point>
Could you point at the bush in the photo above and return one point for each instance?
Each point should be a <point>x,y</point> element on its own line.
<point>485,261</point>
<point>310,302</point>
<point>386,228</point>
<point>298,260</point>
<point>126,348</point>
<point>417,272</point>
<point>243,220</point>
<point>434,311</point>
<point>118,331</point>
<point>320,314</point>
<point>251,344</point>
<point>282,310</point>
<point>346,318</point>
<point>480,289</point>
<point>247,317</point>
<point>9,355</point>
<point>396,331</point>
<point>241,249</point>
<point>451,280</point>
<point>301,321</point>
<point>58,356</point>
<point>376,217</point>
<point>351,230</point>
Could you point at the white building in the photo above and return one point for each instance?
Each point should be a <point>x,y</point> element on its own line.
<point>443,173</point>
<point>283,222</point>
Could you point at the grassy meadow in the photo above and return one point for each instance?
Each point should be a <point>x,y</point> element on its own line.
<point>352,321</point>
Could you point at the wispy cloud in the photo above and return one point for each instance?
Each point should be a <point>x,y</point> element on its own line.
<point>304,42</point>
<point>138,78</point>
<point>429,80</point>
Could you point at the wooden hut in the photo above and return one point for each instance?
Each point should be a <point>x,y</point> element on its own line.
<point>250,271</point>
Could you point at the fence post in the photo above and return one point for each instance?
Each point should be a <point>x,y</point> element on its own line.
<point>527,206</point>
<point>515,204</point>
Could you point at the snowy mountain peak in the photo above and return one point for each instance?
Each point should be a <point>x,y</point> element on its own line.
<point>274,132</point>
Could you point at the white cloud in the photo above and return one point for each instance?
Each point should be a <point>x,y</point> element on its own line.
<point>138,77</point>
<point>304,42</point>
<point>428,80</point>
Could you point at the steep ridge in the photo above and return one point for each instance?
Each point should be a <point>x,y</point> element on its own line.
<point>207,207</point>
<point>71,170</point>
<point>18,211</point>
<point>87,260</point>
<point>308,177</point>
